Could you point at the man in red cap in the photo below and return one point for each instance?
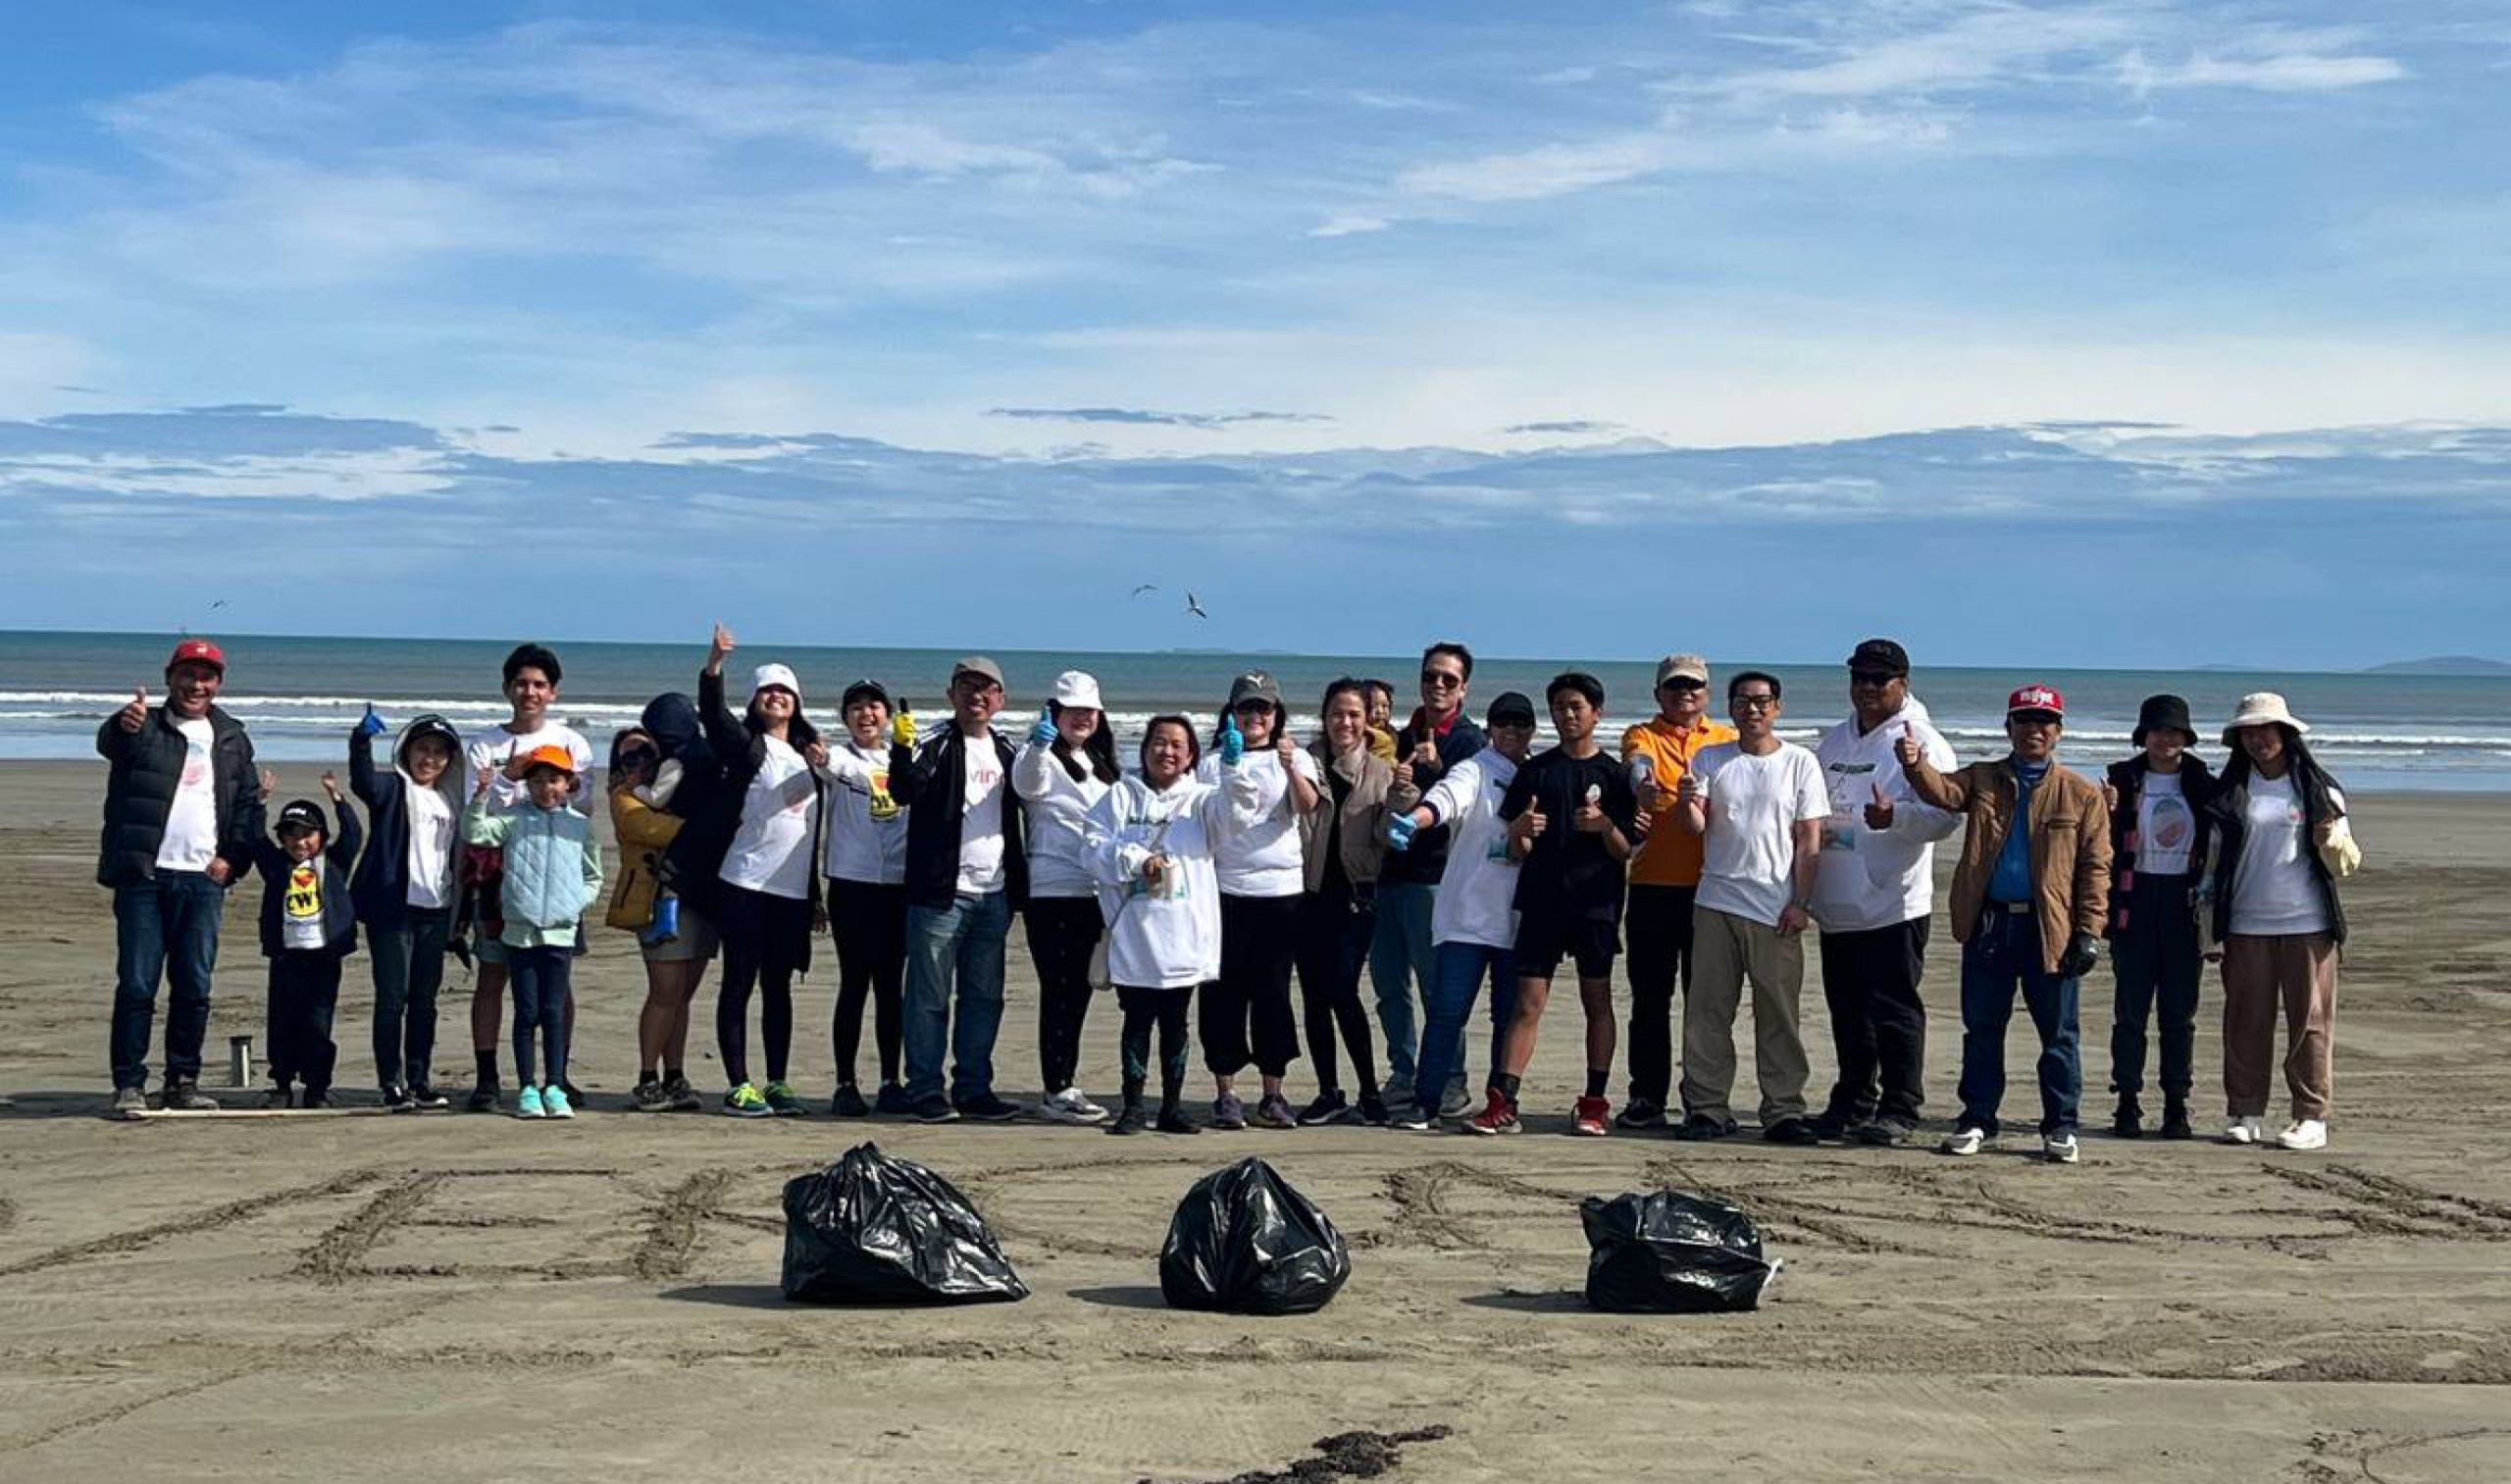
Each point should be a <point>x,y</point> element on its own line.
<point>182,811</point>
<point>2030,899</point>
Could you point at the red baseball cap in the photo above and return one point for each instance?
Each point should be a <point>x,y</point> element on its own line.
<point>2035,698</point>
<point>199,650</point>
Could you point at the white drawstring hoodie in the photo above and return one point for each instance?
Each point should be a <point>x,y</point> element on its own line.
<point>1879,877</point>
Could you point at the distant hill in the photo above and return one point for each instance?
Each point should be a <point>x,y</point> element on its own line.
<point>2442,664</point>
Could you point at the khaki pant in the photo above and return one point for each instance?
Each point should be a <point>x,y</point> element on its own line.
<point>1726,951</point>
<point>2297,970</point>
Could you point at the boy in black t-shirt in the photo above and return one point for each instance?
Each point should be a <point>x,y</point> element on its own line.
<point>1573,820</point>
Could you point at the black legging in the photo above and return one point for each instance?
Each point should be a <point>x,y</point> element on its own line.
<point>1064,934</point>
<point>1143,1009</point>
<point>767,941</point>
<point>1258,937</point>
<point>869,923</point>
<point>1334,936</point>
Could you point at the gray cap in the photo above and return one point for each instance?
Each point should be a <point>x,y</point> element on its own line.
<point>977,664</point>
<point>1255,684</point>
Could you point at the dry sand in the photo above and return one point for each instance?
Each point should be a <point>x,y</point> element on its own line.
<point>472,1298</point>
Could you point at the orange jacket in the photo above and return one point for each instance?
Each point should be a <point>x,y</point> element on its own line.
<point>1668,857</point>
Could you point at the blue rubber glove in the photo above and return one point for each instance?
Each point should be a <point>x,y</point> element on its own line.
<point>1400,830</point>
<point>371,724</point>
<point>1233,743</point>
<point>1044,734</point>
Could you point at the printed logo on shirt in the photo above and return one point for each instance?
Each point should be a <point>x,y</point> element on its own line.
<point>884,806</point>
<point>195,772</point>
<point>304,897</point>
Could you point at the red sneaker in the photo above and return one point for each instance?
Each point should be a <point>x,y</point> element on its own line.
<point>1498,1116</point>
<point>1589,1118</point>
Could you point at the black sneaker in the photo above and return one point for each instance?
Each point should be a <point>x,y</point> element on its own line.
<point>684,1098</point>
<point>1373,1110</point>
<point>1325,1107</point>
<point>935,1109</point>
<point>1831,1125</point>
<point>892,1098</point>
<point>2129,1121</point>
<point>1174,1120</point>
<point>274,1098</point>
<point>1129,1119</point>
<point>426,1099</point>
<point>483,1099</point>
<point>1414,1118</point>
<point>1791,1131</point>
<point>316,1098</point>
<point>986,1107</point>
<point>848,1102</point>
<point>1700,1128</point>
<point>1641,1113</point>
<point>397,1100</point>
<point>650,1098</point>
<point>184,1096</point>
<point>1884,1132</point>
<point>2174,1121</point>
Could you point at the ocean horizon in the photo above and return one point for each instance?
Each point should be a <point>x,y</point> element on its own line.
<point>299,693</point>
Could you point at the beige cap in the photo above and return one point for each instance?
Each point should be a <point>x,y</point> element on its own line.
<point>1682,667</point>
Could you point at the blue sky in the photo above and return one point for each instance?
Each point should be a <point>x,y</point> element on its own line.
<point>2116,331</point>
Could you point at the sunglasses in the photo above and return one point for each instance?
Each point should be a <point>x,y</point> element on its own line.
<point>1442,679</point>
<point>1876,678</point>
<point>1685,685</point>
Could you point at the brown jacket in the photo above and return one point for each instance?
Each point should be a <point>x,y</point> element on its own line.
<point>1361,833</point>
<point>2070,846</point>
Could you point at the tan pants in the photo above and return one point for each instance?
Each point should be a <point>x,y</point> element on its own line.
<point>2297,970</point>
<point>1725,951</point>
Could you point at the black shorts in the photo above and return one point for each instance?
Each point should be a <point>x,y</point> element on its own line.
<point>1543,943</point>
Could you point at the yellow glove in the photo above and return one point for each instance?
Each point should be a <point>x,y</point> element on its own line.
<point>902,728</point>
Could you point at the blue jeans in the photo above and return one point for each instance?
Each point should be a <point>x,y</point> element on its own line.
<point>539,979</point>
<point>2004,953</point>
<point>409,969</point>
<point>1453,986</point>
<point>1400,955</point>
<point>955,951</point>
<point>166,929</point>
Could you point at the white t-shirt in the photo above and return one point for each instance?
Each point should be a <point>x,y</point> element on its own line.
<point>771,850</point>
<point>1478,888</point>
<point>1265,858</point>
<point>490,748</point>
<point>191,841</point>
<point>2165,827</point>
<point>430,845</point>
<point>866,826</point>
<point>2273,892</point>
<point>300,914</point>
<point>1749,854</point>
<point>980,825</point>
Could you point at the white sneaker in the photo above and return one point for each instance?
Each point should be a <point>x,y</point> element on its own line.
<point>1965,1141</point>
<point>2246,1131</point>
<point>2059,1149</point>
<point>2304,1134</point>
<point>1070,1106</point>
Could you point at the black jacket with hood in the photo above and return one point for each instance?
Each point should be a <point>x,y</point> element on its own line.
<point>340,910</point>
<point>382,885</point>
<point>139,793</point>
<point>709,812</point>
<point>933,782</point>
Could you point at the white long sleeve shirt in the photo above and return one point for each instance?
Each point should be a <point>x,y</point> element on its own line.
<point>1057,806</point>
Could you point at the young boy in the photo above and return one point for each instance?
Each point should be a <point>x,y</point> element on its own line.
<point>552,875</point>
<point>405,888</point>
<point>532,676</point>
<point>1572,817</point>
<point>308,924</point>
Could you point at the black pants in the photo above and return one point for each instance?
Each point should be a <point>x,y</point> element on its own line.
<point>2157,958</point>
<point>1658,928</point>
<point>1143,1009</point>
<point>305,992</point>
<point>869,922</point>
<point>766,942</point>
<point>1334,938</point>
<point>1246,1013</point>
<point>1064,934</point>
<point>408,963</point>
<point>1878,1026</point>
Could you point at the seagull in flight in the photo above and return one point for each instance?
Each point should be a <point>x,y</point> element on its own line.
<point>1195,605</point>
<point>1145,587</point>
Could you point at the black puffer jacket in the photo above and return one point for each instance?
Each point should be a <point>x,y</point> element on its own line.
<point>709,813</point>
<point>139,793</point>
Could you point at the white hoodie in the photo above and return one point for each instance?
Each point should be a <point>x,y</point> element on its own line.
<point>1265,858</point>
<point>1169,940</point>
<point>1057,806</point>
<point>1879,877</point>
<point>1478,891</point>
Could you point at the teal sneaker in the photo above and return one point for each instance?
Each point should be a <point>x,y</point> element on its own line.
<point>554,1104</point>
<point>526,1103</point>
<point>746,1101</point>
<point>782,1102</point>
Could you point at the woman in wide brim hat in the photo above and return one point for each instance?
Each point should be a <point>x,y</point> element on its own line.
<point>2285,844</point>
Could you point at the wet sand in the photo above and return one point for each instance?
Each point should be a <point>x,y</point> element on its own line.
<point>453,1297</point>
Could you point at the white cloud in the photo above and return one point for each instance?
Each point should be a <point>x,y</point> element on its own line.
<point>1347,225</point>
<point>1549,170</point>
<point>2287,74</point>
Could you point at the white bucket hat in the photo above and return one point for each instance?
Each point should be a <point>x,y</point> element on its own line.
<point>776,674</point>
<point>1076,688</point>
<point>2261,708</point>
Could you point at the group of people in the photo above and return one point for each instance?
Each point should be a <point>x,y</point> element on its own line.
<point>1430,858</point>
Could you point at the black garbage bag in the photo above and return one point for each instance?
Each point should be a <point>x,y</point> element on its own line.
<point>1244,1241</point>
<point>870,1229</point>
<point>1667,1253</point>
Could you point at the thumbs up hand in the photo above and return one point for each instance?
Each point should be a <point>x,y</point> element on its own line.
<point>1589,818</point>
<point>1233,743</point>
<point>369,724</point>
<point>1907,751</point>
<point>132,717</point>
<point>1878,814</point>
<point>1044,734</point>
<point>902,725</point>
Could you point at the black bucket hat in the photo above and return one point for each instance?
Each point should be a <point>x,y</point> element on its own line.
<point>2167,713</point>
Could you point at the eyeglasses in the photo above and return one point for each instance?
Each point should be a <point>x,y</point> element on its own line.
<point>1444,680</point>
<point>1876,678</point>
<point>1757,701</point>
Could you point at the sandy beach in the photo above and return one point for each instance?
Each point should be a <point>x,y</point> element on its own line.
<point>454,1297</point>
